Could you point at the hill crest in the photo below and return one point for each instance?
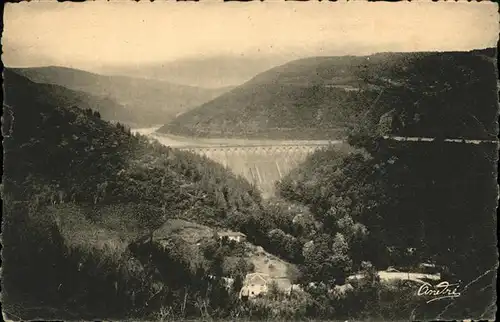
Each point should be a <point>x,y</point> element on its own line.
<point>149,101</point>
<point>320,97</point>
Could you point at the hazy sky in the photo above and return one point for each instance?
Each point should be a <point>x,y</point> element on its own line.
<point>91,34</point>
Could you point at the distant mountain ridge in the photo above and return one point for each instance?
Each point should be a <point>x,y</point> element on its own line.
<point>148,101</point>
<point>58,95</point>
<point>316,97</point>
<point>210,72</point>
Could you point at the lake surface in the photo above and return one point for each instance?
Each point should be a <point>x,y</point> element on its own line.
<point>179,141</point>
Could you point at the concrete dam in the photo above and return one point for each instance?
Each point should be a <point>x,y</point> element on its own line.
<point>262,165</point>
<point>261,162</point>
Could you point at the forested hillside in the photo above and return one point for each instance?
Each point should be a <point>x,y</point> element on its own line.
<point>57,95</point>
<point>417,202</point>
<point>78,192</point>
<point>92,223</point>
<point>147,101</point>
<point>92,228</point>
<point>320,97</point>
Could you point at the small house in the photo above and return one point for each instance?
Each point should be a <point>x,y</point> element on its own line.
<point>232,235</point>
<point>254,284</point>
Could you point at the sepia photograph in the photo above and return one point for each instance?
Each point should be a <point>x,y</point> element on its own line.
<point>249,161</point>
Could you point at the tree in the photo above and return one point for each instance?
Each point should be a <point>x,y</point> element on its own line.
<point>327,260</point>
<point>240,272</point>
<point>339,261</point>
<point>237,284</point>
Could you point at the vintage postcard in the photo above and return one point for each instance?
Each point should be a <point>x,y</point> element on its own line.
<point>263,160</point>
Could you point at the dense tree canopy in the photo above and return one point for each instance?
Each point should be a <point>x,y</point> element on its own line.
<point>82,190</point>
<point>401,202</point>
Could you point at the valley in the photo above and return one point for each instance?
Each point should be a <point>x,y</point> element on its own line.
<point>150,223</point>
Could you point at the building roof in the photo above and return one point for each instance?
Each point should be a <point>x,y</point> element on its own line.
<point>256,278</point>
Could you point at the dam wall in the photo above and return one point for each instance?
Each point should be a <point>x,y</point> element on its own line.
<point>261,165</point>
<point>260,161</point>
